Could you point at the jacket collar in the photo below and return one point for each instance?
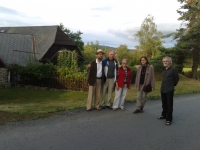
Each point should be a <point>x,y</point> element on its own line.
<point>126,67</point>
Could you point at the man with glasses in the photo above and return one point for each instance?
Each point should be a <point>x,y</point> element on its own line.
<point>170,79</point>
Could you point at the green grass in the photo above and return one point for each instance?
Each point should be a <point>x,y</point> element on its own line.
<point>185,86</point>
<point>32,101</point>
<point>17,104</point>
<point>189,69</point>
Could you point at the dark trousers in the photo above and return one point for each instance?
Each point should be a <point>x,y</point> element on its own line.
<point>167,105</point>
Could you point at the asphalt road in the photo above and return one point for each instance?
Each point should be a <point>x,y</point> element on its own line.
<point>110,130</point>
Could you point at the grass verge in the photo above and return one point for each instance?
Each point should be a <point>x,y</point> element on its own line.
<point>18,104</point>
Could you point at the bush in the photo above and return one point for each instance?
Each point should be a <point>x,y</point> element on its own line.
<point>189,73</point>
<point>157,63</point>
<point>34,70</point>
<point>68,65</point>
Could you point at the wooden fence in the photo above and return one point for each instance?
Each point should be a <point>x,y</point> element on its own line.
<point>72,84</point>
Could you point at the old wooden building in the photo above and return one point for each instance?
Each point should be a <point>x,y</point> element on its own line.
<point>43,42</point>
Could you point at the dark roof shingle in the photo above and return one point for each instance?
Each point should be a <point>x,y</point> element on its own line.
<point>16,48</point>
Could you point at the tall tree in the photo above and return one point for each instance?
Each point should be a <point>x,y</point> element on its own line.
<point>75,37</point>
<point>121,52</point>
<point>149,37</point>
<point>90,51</point>
<point>188,36</point>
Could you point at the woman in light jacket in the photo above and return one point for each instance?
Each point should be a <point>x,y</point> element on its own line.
<point>122,84</point>
<point>144,76</point>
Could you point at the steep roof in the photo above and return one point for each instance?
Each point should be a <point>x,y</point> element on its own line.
<point>16,48</point>
<point>44,36</point>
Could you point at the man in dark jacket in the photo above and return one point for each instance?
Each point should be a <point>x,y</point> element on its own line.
<point>170,79</point>
<point>95,81</point>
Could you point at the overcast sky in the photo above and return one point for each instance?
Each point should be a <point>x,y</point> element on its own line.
<point>111,22</point>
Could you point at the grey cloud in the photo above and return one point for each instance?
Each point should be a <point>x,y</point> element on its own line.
<point>128,33</point>
<point>8,11</point>
<point>108,40</point>
<point>12,22</point>
<point>10,17</point>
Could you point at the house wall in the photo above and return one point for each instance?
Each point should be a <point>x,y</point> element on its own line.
<point>3,77</point>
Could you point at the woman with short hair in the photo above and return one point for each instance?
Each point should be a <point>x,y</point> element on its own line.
<point>122,84</point>
<point>144,77</point>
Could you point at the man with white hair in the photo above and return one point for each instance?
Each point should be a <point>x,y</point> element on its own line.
<point>170,79</point>
<point>110,70</point>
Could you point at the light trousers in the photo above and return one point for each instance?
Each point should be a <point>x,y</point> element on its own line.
<point>141,98</point>
<point>120,95</point>
<point>109,84</point>
<point>94,94</point>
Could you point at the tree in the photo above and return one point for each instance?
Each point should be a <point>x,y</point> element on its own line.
<point>188,36</point>
<point>75,37</point>
<point>121,52</point>
<point>177,54</point>
<point>149,37</point>
<point>90,51</point>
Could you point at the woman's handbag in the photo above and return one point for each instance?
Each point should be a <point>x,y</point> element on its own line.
<point>147,88</point>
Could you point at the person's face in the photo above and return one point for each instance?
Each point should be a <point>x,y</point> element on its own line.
<point>124,63</point>
<point>143,61</point>
<point>166,62</point>
<point>111,55</point>
<point>99,56</point>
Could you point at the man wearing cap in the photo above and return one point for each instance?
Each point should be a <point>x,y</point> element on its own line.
<point>95,81</point>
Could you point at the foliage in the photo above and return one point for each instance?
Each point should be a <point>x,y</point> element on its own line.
<point>75,37</point>
<point>177,54</point>
<point>68,65</point>
<point>189,73</point>
<point>188,36</point>
<point>149,37</point>
<point>157,63</point>
<point>34,70</point>
<point>89,52</point>
<point>121,53</point>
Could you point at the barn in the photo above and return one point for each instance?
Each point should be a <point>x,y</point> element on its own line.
<point>20,44</point>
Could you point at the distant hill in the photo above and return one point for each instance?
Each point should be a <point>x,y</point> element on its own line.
<point>109,47</point>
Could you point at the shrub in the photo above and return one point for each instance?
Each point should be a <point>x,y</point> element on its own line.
<point>68,65</point>
<point>34,70</point>
<point>157,63</point>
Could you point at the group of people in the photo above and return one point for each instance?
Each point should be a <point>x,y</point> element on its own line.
<point>104,76</point>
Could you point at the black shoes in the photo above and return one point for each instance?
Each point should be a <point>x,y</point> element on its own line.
<point>104,107</point>
<point>136,111</point>
<point>141,110</point>
<point>161,117</point>
<point>108,107</point>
